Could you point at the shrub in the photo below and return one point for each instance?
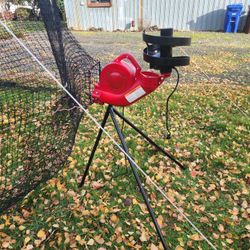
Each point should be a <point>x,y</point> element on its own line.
<point>22,14</point>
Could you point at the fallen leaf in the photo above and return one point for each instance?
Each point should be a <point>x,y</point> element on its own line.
<point>78,238</point>
<point>97,185</point>
<point>204,220</point>
<point>99,239</point>
<point>196,237</point>
<point>143,237</point>
<point>21,228</point>
<point>38,242</point>
<point>229,241</point>
<point>216,236</point>
<point>194,173</point>
<point>6,244</point>
<point>127,202</point>
<point>221,228</point>
<point>244,204</point>
<point>114,218</point>
<point>153,247</point>
<point>26,240</point>
<point>179,248</point>
<point>29,247</point>
<point>41,234</point>
<point>91,242</point>
<point>160,220</point>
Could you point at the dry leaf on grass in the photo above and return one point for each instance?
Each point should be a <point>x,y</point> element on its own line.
<point>114,218</point>
<point>144,237</point>
<point>196,237</point>
<point>99,239</point>
<point>97,185</point>
<point>179,248</point>
<point>153,247</point>
<point>221,228</point>
<point>41,234</point>
<point>91,242</point>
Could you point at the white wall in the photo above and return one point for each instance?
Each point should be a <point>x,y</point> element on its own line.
<point>179,14</point>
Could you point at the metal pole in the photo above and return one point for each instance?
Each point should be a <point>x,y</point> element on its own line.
<point>95,146</point>
<point>138,180</point>
<point>148,139</point>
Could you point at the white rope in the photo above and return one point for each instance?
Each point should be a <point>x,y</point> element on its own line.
<point>105,132</point>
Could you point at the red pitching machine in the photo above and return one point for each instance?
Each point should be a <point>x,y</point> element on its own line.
<point>122,83</point>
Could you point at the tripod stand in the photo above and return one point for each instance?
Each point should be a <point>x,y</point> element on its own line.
<point>112,112</point>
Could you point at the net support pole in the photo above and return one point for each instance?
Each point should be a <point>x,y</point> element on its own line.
<point>98,138</point>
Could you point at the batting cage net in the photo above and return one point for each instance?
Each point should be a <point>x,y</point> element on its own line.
<point>38,120</point>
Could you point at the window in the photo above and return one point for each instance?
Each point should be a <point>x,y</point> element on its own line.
<point>99,3</point>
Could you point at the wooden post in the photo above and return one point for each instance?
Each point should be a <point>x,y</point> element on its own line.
<point>141,13</point>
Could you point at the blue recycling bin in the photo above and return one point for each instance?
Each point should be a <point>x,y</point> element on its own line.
<point>232,18</point>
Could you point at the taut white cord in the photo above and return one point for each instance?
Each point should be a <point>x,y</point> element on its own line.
<point>105,132</point>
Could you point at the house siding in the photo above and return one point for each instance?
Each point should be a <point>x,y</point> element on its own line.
<point>179,14</point>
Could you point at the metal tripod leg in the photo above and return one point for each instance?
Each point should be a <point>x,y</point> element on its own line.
<point>138,180</point>
<point>148,139</point>
<point>95,146</point>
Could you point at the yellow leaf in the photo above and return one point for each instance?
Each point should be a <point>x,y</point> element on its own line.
<point>78,238</point>
<point>153,247</point>
<point>195,237</point>
<point>38,242</point>
<point>160,220</point>
<point>244,204</point>
<point>91,242</point>
<point>26,240</point>
<point>143,237</point>
<point>21,228</point>
<point>230,241</point>
<point>41,235</point>
<point>114,218</point>
<point>85,212</point>
<point>99,239</point>
<point>179,248</point>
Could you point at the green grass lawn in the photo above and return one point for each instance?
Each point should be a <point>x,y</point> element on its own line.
<point>210,131</point>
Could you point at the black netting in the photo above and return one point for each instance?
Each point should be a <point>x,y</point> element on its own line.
<point>38,121</point>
